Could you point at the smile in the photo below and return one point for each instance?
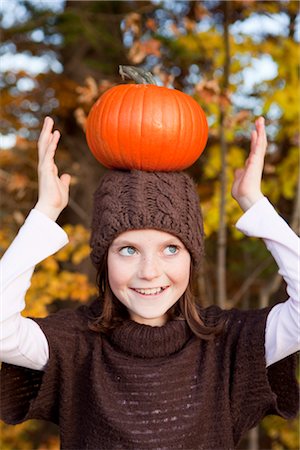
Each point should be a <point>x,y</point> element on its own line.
<point>152,291</point>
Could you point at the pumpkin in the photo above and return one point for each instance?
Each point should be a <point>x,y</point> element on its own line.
<point>146,127</point>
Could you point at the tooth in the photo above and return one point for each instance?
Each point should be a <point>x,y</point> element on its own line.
<point>149,291</point>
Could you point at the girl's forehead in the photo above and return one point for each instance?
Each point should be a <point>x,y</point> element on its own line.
<point>146,235</point>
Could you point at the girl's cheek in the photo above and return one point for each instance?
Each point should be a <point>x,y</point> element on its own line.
<point>123,271</point>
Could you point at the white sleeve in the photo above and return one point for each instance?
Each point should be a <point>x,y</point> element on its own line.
<point>282,329</point>
<point>22,341</point>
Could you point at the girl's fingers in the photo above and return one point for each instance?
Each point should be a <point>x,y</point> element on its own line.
<point>238,174</point>
<point>51,147</point>
<point>65,179</point>
<point>261,143</point>
<point>54,138</point>
<point>47,120</point>
<point>253,140</point>
<point>48,144</point>
<point>45,136</point>
<point>46,129</point>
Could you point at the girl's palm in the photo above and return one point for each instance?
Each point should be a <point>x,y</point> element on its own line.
<point>246,188</point>
<point>53,190</point>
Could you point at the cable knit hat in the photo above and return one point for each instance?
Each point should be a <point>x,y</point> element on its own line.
<point>134,199</point>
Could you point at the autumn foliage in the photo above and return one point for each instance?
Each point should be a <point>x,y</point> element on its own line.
<point>238,59</point>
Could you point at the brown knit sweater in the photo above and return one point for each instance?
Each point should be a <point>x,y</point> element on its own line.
<point>152,387</point>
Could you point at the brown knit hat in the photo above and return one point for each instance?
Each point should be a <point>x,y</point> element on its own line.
<point>129,200</point>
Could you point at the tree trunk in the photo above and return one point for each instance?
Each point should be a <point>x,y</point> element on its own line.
<point>222,232</point>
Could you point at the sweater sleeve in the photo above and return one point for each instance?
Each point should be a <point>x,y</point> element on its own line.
<point>35,394</point>
<point>283,322</point>
<point>22,341</point>
<point>256,391</point>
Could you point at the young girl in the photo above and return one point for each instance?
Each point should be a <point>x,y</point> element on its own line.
<point>144,367</point>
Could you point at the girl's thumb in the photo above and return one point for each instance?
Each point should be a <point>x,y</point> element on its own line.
<point>65,179</point>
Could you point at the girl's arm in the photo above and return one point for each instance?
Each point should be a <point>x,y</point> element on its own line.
<point>22,341</point>
<point>282,328</point>
<point>282,336</point>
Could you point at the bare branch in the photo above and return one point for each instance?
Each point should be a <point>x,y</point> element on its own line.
<point>79,211</point>
<point>248,282</point>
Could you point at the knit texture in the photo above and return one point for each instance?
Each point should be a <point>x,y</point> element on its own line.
<point>128,200</point>
<point>152,387</point>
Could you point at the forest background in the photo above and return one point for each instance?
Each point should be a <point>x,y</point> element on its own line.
<point>238,59</point>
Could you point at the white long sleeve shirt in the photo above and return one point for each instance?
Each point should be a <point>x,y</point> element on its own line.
<point>23,343</point>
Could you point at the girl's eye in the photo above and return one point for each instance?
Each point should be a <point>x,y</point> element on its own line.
<point>127,251</point>
<point>171,250</point>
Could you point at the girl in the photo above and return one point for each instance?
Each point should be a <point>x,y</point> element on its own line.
<point>143,367</point>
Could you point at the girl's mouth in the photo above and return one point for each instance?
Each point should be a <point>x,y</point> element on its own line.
<point>151,291</point>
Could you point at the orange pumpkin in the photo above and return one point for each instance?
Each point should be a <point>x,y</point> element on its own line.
<point>146,127</point>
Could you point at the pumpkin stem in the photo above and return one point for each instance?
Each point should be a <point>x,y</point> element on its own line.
<point>140,76</point>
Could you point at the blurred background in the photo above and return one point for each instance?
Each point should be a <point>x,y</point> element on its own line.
<point>238,59</point>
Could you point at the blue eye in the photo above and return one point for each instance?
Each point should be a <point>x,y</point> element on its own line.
<point>171,249</point>
<point>127,251</point>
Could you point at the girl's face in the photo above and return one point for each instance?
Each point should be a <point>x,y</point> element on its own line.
<point>148,271</point>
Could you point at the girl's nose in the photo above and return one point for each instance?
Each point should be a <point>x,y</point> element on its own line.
<point>149,268</point>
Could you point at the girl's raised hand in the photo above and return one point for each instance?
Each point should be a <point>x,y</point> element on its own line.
<point>53,190</point>
<point>246,188</point>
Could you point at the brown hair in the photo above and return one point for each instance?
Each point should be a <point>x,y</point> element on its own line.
<point>114,313</point>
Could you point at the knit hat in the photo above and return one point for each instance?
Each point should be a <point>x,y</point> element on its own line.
<point>134,199</point>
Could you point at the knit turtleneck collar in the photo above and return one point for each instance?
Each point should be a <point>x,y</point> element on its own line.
<point>146,341</point>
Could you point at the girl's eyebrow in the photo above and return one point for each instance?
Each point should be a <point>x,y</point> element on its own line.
<point>123,243</point>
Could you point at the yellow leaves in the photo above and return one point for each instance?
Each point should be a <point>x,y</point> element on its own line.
<point>211,212</point>
<point>285,88</point>
<point>78,247</point>
<point>288,173</point>
<point>51,283</point>
<point>6,237</point>
<point>284,434</point>
<point>47,286</point>
<point>213,164</point>
<point>290,53</point>
<point>280,182</point>
<point>283,183</point>
<point>77,286</point>
<point>82,253</point>
<point>212,168</point>
<point>235,159</point>
<point>21,436</point>
<point>193,46</point>
<point>188,43</point>
<point>50,265</point>
<point>285,98</point>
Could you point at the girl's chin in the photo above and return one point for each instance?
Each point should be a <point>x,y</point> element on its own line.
<point>154,321</point>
